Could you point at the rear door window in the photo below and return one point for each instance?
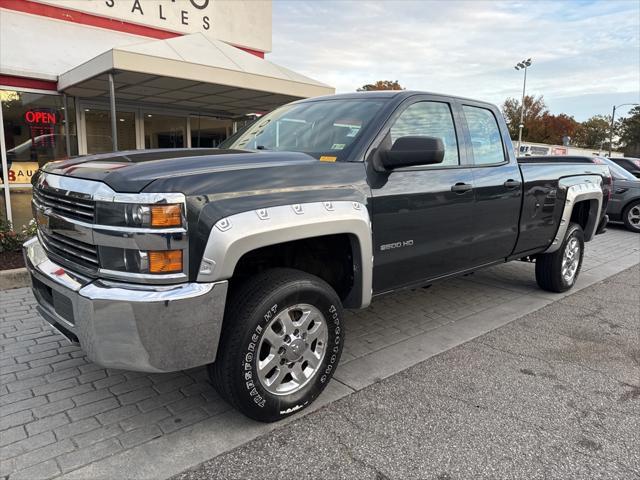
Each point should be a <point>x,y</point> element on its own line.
<point>486,140</point>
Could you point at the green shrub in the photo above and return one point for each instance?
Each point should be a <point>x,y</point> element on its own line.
<point>11,240</point>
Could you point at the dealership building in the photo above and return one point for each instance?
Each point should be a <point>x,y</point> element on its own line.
<point>93,76</point>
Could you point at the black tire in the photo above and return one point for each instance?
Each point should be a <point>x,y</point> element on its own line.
<point>549,265</point>
<point>627,221</point>
<point>249,311</point>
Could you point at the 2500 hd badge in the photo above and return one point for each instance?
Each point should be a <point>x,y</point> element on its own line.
<point>391,246</point>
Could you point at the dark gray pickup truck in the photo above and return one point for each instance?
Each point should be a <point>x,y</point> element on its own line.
<point>244,257</point>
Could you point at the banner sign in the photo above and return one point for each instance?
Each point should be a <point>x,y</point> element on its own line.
<point>245,23</point>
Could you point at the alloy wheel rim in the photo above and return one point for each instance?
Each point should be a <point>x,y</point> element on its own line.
<point>292,348</point>
<point>634,216</point>
<point>571,260</point>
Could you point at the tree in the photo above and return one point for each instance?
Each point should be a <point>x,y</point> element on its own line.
<point>594,133</point>
<point>534,109</point>
<point>629,133</point>
<point>381,85</point>
<point>554,128</point>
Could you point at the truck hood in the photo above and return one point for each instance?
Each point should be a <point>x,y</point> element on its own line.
<point>132,171</point>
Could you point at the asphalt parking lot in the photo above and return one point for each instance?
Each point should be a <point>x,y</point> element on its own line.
<point>555,394</point>
<point>62,416</point>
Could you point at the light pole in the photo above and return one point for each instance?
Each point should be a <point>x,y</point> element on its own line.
<point>613,119</point>
<point>523,65</point>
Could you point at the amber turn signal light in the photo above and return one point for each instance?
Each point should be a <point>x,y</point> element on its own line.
<point>166,216</point>
<point>165,261</point>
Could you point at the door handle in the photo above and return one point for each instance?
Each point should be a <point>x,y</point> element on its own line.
<point>461,187</point>
<point>512,184</point>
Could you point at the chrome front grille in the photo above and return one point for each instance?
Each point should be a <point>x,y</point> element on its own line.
<point>70,250</point>
<point>65,203</point>
<point>66,210</point>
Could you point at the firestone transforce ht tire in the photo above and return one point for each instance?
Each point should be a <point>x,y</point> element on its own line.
<point>282,338</point>
<point>631,217</point>
<point>558,271</point>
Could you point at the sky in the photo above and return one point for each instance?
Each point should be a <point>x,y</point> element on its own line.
<point>586,54</point>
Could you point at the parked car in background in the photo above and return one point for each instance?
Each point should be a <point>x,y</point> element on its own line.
<point>631,165</point>
<point>624,204</point>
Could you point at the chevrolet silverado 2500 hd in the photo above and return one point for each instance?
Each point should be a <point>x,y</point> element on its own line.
<point>244,257</point>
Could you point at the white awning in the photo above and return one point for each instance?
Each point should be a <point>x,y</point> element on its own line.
<point>193,72</point>
<point>40,47</point>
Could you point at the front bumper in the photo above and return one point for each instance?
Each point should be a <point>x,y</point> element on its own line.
<point>129,326</point>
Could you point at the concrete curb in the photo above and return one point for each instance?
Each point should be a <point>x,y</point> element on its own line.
<point>16,278</point>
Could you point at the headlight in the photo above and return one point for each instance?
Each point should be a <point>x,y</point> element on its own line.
<point>139,216</point>
<point>136,261</point>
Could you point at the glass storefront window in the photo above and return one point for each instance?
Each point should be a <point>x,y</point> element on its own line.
<point>98,127</point>
<point>164,131</point>
<point>20,206</point>
<point>34,126</point>
<point>209,132</point>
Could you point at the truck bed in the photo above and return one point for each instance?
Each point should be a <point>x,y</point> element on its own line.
<point>544,198</point>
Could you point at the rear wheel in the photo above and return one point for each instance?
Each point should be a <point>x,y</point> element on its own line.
<point>631,216</point>
<point>558,271</point>
<point>281,342</point>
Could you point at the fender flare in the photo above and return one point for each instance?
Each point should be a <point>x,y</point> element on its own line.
<point>579,189</point>
<point>234,236</point>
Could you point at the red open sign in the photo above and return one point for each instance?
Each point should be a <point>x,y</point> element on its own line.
<point>40,117</point>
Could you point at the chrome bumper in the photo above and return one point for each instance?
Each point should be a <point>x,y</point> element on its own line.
<point>129,326</point>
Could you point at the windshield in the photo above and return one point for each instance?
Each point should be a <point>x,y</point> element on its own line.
<point>322,129</point>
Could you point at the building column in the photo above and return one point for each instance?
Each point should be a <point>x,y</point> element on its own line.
<point>114,120</point>
<point>67,133</point>
<point>4,170</point>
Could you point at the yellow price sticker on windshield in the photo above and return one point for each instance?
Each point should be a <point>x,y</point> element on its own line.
<point>328,158</point>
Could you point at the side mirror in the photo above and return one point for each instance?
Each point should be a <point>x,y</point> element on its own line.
<point>413,150</point>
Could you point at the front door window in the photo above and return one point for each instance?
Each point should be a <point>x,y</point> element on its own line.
<point>431,119</point>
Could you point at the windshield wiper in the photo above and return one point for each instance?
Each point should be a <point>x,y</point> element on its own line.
<point>261,147</point>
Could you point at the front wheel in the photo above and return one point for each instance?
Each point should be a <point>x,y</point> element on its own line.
<point>631,216</point>
<point>282,339</point>
<point>558,271</point>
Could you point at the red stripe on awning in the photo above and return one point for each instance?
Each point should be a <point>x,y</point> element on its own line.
<point>25,82</point>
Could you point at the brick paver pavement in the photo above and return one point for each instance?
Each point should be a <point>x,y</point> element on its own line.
<point>59,412</point>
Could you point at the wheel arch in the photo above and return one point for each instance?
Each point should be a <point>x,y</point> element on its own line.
<point>234,237</point>
<point>629,203</point>
<point>583,204</point>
